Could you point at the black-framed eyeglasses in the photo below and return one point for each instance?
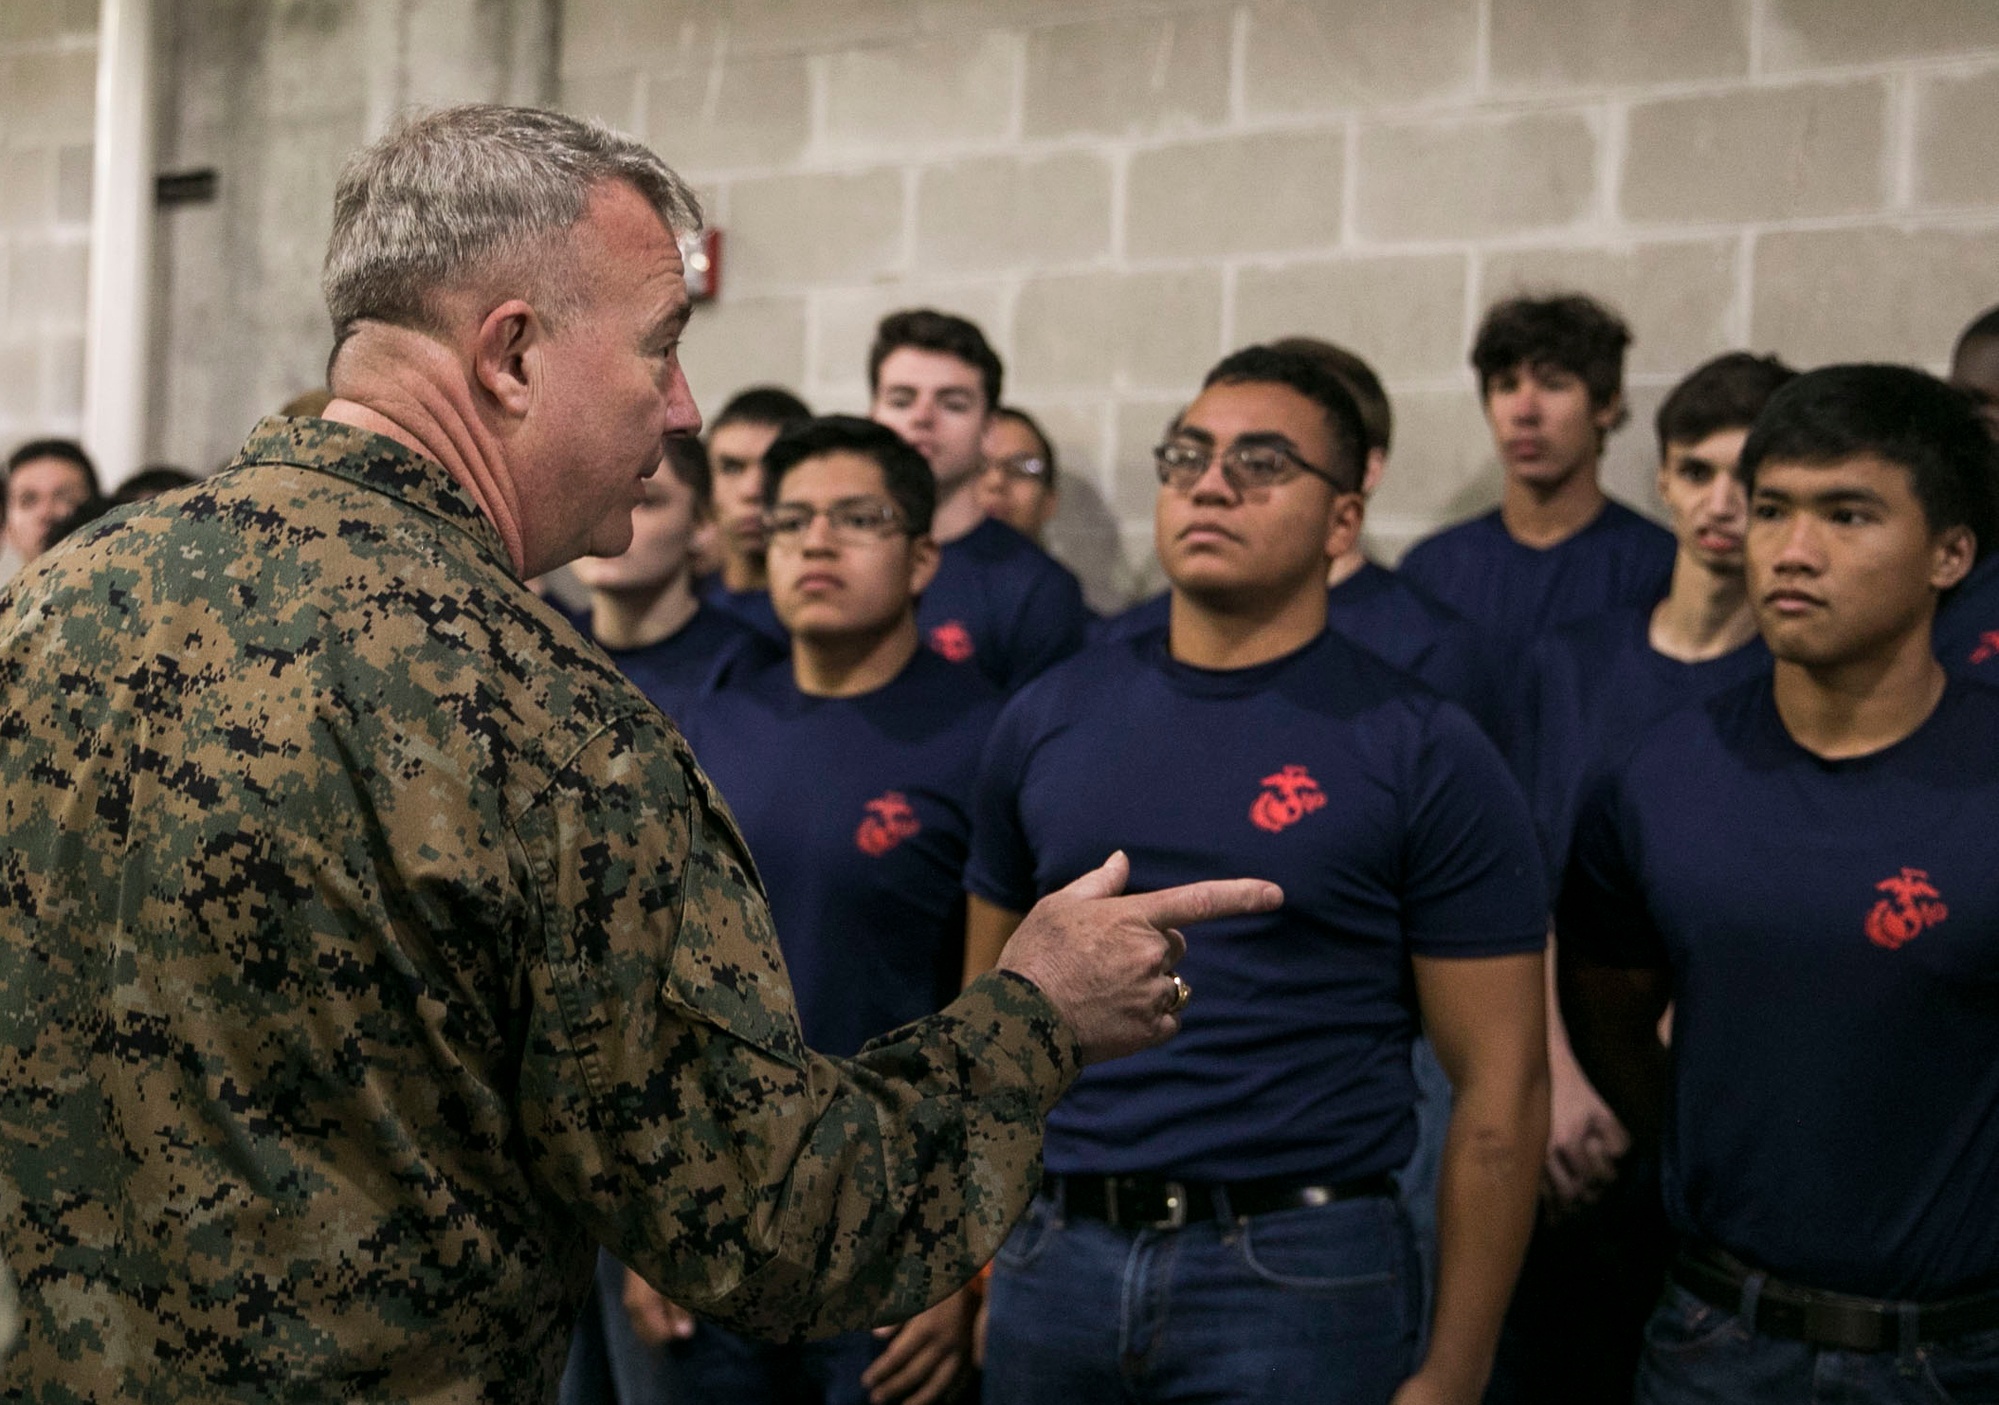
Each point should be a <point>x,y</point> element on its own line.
<point>852,519</point>
<point>1031,468</point>
<point>1247,467</point>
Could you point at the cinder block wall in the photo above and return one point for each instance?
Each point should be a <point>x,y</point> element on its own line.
<point>48,87</point>
<point>1122,190</point>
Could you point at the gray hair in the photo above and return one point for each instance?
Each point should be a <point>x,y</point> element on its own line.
<point>478,189</point>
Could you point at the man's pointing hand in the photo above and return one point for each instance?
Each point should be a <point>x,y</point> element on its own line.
<point>1106,959</point>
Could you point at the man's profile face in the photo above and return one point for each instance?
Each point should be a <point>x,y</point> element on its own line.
<point>1842,563</point>
<point>41,493</point>
<point>1022,500</point>
<point>1975,371</point>
<point>612,387</point>
<point>830,580</point>
<point>1699,486</point>
<point>938,404</point>
<point>1216,540</point>
<point>663,527</point>
<point>736,459</point>
<point>1543,424</point>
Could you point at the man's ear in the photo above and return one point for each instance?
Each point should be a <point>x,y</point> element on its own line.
<point>1610,414</point>
<point>1377,464</point>
<point>1952,555</point>
<point>506,355</point>
<point>1343,525</point>
<point>923,561</point>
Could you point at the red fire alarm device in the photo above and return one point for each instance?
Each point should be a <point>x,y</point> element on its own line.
<point>701,255</point>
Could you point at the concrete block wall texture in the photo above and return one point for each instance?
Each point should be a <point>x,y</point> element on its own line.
<point>1121,190</point>
<point>48,88</point>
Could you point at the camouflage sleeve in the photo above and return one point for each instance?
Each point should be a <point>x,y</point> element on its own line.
<point>668,1098</point>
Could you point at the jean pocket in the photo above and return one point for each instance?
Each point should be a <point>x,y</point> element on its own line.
<point>1963,1371</point>
<point>1346,1248</point>
<point>1028,1239</point>
<point>1683,1324</point>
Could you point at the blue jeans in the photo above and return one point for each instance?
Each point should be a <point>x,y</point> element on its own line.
<point>1700,1354</point>
<point>1311,1305</point>
<point>1418,1179</point>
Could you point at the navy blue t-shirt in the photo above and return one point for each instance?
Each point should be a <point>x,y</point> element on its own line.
<point>1967,626</point>
<point>1832,933</point>
<point>1596,686</point>
<point>679,669</point>
<point>1002,604</point>
<point>1513,594</point>
<point>752,607</point>
<point>1378,610</point>
<point>858,811</point>
<point>1381,809</point>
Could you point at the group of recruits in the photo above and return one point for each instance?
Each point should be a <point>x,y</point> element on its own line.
<point>1752,1151</point>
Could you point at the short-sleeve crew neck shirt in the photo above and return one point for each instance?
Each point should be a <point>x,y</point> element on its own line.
<point>1002,605</point>
<point>1832,932</point>
<point>858,811</point>
<point>1381,809</point>
<point>1385,615</point>
<point>1597,685</point>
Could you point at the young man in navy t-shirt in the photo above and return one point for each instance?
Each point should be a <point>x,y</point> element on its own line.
<point>1802,865</point>
<point>849,765</point>
<point>1367,604</point>
<point>1967,632</point>
<point>1556,549</point>
<point>643,609</point>
<point>999,603</point>
<point>1220,1222</point>
<point>1594,1271</point>
<point>737,440</point>
<point>644,613</point>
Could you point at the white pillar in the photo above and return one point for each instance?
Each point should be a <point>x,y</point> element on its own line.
<point>121,229</point>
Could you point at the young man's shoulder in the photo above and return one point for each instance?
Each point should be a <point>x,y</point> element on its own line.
<point>1484,532</point>
<point>994,545</point>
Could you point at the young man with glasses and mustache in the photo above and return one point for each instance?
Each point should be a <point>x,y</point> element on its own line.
<point>1018,486</point>
<point>1802,865</point>
<point>1222,1223</point>
<point>849,765</point>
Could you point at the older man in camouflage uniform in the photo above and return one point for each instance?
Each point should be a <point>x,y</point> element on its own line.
<point>370,950</point>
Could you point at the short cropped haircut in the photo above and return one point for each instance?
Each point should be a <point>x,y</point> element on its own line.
<point>906,473</point>
<point>68,450</point>
<point>926,329</point>
<point>771,406</point>
<point>1311,377</point>
<point>1568,331</point>
<point>477,191</point>
<point>150,482</point>
<point>1984,327</point>
<point>688,461</point>
<point>1728,392</point>
<point>1033,426</point>
<point>1896,413</point>
<point>1359,379</point>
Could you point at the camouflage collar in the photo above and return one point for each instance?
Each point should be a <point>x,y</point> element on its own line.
<point>375,462</point>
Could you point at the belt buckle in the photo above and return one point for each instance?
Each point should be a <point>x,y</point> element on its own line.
<point>1176,1208</point>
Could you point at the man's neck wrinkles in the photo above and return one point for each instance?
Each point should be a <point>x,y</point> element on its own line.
<point>411,388</point>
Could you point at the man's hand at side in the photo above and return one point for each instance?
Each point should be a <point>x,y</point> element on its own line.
<point>927,1355</point>
<point>1104,960</point>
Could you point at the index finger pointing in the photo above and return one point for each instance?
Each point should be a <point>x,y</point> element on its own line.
<point>1204,902</point>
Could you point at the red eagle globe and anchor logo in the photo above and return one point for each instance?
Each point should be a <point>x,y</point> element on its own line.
<point>953,641</point>
<point>1912,907</point>
<point>889,820</point>
<point>1287,798</point>
<point>1988,647</point>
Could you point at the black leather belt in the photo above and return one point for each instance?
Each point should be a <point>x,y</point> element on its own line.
<point>1154,1202</point>
<point>1836,1320</point>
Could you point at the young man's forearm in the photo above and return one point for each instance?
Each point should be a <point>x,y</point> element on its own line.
<point>1486,1191</point>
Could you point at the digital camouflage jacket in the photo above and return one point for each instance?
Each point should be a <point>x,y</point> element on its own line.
<point>370,950</point>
